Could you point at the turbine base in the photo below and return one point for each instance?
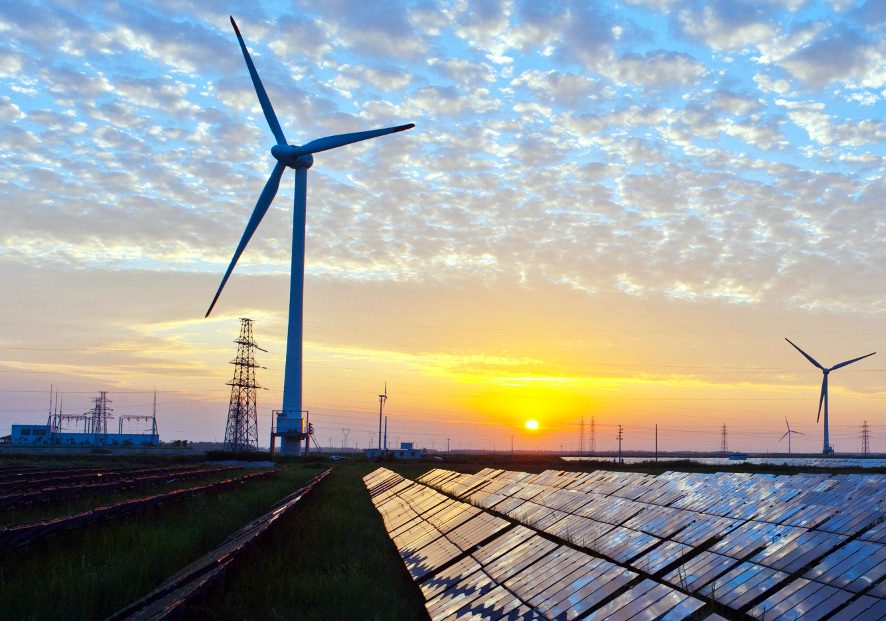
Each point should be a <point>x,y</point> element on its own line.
<point>288,425</point>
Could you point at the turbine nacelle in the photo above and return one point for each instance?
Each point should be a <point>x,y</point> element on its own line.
<point>292,156</point>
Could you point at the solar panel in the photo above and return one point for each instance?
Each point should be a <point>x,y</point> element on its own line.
<point>742,584</point>
<point>803,599</point>
<point>589,591</point>
<point>739,540</point>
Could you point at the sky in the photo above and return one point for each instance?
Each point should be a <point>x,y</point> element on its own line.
<point>613,211</point>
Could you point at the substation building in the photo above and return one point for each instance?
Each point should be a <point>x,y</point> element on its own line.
<point>406,451</point>
<point>88,429</point>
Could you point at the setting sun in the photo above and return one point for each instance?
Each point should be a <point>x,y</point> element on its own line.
<point>532,424</point>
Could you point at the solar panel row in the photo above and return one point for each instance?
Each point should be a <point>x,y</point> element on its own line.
<point>811,544</point>
<point>507,571</point>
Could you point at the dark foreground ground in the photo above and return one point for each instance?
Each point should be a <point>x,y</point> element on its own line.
<point>329,559</point>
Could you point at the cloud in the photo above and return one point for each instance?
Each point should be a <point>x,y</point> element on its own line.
<point>364,28</point>
<point>726,25</point>
<point>821,128</point>
<point>658,70</point>
<point>841,55</point>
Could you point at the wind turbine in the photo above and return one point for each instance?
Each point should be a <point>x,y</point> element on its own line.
<point>788,433</point>
<point>299,158</point>
<point>824,389</point>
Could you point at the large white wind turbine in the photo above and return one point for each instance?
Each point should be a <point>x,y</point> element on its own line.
<point>789,433</point>
<point>299,158</point>
<point>823,399</point>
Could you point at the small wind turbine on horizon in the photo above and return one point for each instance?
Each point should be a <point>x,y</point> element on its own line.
<point>823,399</point>
<point>300,158</point>
<point>788,434</point>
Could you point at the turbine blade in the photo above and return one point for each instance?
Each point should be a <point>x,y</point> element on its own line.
<point>848,362</point>
<point>260,90</point>
<point>787,423</point>
<point>340,140</point>
<point>808,357</point>
<point>800,432</point>
<point>824,395</point>
<point>261,206</point>
<point>784,436</point>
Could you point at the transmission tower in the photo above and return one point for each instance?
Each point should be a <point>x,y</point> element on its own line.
<point>724,446</point>
<point>593,446</point>
<point>241,433</point>
<point>101,413</point>
<point>620,437</point>
<point>865,439</point>
<point>581,437</point>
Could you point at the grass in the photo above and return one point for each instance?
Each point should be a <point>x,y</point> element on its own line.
<point>91,573</point>
<point>68,506</point>
<point>331,558</point>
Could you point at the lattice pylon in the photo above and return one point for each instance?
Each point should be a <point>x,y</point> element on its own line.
<point>241,433</point>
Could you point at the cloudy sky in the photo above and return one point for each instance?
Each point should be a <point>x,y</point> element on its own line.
<point>607,210</point>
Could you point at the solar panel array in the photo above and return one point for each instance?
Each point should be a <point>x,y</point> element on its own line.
<point>472,564</point>
<point>760,546</point>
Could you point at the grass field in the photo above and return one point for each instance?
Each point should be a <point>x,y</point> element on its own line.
<point>91,573</point>
<point>330,559</point>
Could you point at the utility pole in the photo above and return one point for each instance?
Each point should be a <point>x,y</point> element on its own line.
<point>865,439</point>
<point>619,438</point>
<point>512,444</point>
<point>656,441</point>
<point>581,437</point>
<point>381,404</point>
<point>447,445</point>
<point>724,446</point>
<point>593,437</point>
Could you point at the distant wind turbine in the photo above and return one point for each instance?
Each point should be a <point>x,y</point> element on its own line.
<point>299,158</point>
<point>789,433</point>
<point>824,389</point>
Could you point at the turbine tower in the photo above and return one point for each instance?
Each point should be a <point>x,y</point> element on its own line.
<point>382,398</point>
<point>789,433</point>
<point>300,158</point>
<point>823,399</point>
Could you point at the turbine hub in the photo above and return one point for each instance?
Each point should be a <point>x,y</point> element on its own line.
<point>292,156</point>
<point>304,161</point>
